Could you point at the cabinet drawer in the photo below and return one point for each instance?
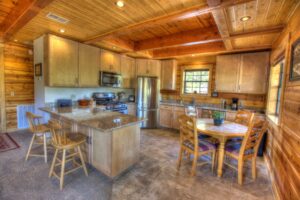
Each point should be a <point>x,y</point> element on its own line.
<point>166,107</point>
<point>178,108</point>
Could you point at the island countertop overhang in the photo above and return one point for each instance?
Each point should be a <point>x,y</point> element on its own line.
<point>96,118</point>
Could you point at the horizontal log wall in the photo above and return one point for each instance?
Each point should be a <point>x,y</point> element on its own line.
<point>283,146</point>
<point>18,80</point>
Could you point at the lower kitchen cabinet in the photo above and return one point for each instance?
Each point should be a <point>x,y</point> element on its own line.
<point>131,109</point>
<point>165,116</point>
<point>169,116</point>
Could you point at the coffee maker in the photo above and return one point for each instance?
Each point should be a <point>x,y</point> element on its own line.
<point>235,103</point>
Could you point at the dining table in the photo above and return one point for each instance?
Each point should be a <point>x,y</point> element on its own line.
<point>222,133</point>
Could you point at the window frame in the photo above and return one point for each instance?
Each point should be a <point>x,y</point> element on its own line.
<point>196,67</point>
<point>195,70</point>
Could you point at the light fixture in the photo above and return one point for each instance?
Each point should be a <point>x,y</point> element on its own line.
<point>120,4</point>
<point>15,40</point>
<point>245,18</point>
<point>114,47</point>
<point>62,30</point>
<point>193,55</point>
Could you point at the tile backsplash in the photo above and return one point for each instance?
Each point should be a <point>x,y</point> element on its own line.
<point>54,93</point>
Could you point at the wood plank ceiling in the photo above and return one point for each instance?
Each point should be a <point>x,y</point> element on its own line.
<point>163,28</point>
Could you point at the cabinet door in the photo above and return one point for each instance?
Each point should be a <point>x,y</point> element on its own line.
<point>116,63</point>
<point>62,62</point>
<point>131,109</point>
<point>177,112</point>
<point>227,73</point>
<point>128,72</point>
<point>253,73</point>
<point>154,68</point>
<point>165,116</point>
<point>106,61</point>
<point>142,67</point>
<point>168,74</point>
<point>89,62</point>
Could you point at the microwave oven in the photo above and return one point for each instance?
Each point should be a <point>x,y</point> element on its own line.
<point>110,79</point>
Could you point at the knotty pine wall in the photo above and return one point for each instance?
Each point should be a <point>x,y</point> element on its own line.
<point>18,81</point>
<point>283,146</point>
<point>249,100</point>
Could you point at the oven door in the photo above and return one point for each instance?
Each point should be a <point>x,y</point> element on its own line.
<point>110,79</point>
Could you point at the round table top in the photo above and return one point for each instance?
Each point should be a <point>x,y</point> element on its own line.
<point>227,129</point>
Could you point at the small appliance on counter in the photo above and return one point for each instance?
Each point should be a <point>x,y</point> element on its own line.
<point>107,99</point>
<point>131,98</point>
<point>84,102</point>
<point>120,95</point>
<point>235,103</point>
<point>60,103</point>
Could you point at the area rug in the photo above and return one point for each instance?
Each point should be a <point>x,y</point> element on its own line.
<point>7,142</point>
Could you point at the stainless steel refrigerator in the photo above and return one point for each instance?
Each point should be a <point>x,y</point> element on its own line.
<point>147,100</point>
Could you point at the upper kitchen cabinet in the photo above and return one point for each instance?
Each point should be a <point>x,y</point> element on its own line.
<point>254,73</point>
<point>146,67</point>
<point>62,62</point>
<point>242,73</point>
<point>128,71</point>
<point>168,74</point>
<point>227,73</point>
<point>88,68</point>
<point>110,62</point>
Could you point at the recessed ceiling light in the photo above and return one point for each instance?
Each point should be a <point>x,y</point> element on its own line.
<point>120,4</point>
<point>114,47</point>
<point>15,40</point>
<point>193,55</point>
<point>62,30</point>
<point>245,18</point>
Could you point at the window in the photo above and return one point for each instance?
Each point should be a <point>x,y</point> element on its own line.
<point>196,81</point>
<point>275,89</point>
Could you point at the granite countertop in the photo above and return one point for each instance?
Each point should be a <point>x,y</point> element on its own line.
<point>97,117</point>
<point>209,107</point>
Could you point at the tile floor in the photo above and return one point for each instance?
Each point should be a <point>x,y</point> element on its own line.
<point>154,177</point>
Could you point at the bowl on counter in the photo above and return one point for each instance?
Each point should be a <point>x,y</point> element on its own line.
<point>84,102</point>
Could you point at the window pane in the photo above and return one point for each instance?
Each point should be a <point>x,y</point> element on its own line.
<point>196,81</point>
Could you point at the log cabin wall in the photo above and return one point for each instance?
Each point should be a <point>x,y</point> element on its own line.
<point>283,146</point>
<point>248,100</point>
<point>18,81</point>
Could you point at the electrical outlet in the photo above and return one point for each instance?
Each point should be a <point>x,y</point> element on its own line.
<point>12,93</point>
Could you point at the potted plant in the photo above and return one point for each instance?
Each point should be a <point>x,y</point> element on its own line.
<point>218,117</point>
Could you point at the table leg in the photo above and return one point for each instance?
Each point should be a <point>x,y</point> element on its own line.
<point>221,156</point>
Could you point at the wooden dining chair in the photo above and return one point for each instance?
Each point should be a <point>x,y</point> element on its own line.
<point>243,117</point>
<point>39,132</point>
<point>66,143</point>
<point>191,145</point>
<point>248,148</point>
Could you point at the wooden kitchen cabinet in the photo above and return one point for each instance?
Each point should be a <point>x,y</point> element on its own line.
<point>62,62</point>
<point>110,62</point>
<point>165,116</point>
<point>177,112</point>
<point>147,67</point>
<point>254,73</point>
<point>128,72</point>
<point>168,74</point>
<point>242,73</point>
<point>88,67</point>
<point>131,109</point>
<point>227,73</point>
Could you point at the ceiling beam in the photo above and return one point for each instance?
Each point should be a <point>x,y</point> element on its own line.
<point>126,45</point>
<point>222,24</point>
<point>191,37</point>
<point>204,49</point>
<point>20,15</point>
<point>212,3</point>
<point>179,15</point>
<point>194,49</point>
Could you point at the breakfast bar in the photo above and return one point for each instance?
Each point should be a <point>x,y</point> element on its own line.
<point>113,139</point>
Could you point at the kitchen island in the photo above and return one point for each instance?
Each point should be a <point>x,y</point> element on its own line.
<point>113,139</point>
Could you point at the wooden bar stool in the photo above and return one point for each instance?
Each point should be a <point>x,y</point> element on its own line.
<point>39,134</point>
<point>65,143</point>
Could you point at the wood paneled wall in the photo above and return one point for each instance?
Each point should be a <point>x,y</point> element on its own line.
<point>249,100</point>
<point>283,147</point>
<point>18,80</point>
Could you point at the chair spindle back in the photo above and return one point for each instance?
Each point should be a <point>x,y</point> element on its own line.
<point>57,132</point>
<point>188,130</point>
<point>243,117</point>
